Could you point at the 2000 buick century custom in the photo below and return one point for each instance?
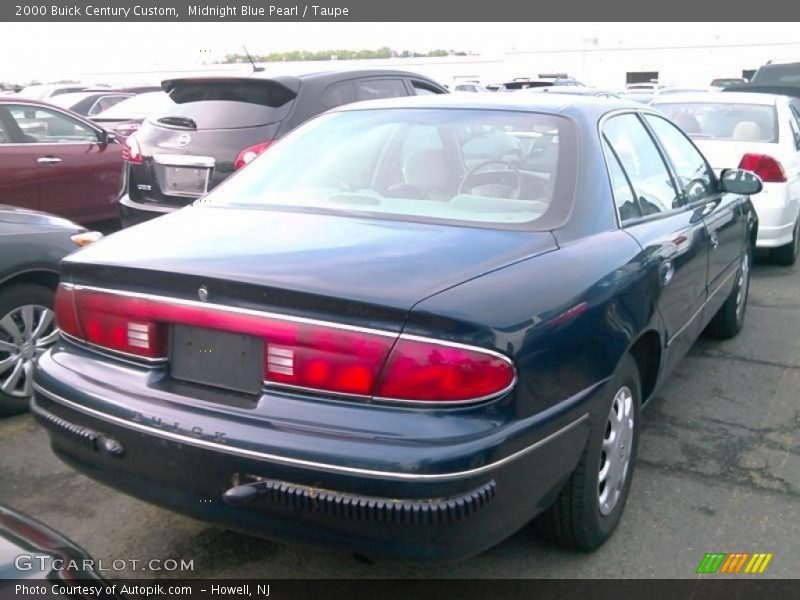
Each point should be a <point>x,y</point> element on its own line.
<point>407,329</point>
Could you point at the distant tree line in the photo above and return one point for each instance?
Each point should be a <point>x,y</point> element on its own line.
<point>301,55</point>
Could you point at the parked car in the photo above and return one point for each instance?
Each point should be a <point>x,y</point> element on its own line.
<point>56,161</point>
<point>30,550</point>
<point>522,83</point>
<point>470,87</point>
<point>45,91</point>
<point>760,133</point>
<point>570,90</point>
<point>219,124</point>
<point>648,95</point>
<point>125,118</point>
<point>31,246</point>
<point>377,336</point>
<point>90,103</point>
<point>723,82</point>
<point>773,78</point>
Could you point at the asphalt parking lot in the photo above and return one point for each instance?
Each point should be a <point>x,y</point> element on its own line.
<point>718,471</point>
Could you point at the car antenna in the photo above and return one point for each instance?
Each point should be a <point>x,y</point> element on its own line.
<point>250,58</point>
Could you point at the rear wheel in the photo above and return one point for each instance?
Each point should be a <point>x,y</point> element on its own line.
<point>787,255</point>
<point>589,508</point>
<point>730,317</point>
<point>27,330</point>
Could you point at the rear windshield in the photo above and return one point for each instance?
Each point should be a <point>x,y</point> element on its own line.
<point>494,168</point>
<point>723,121</point>
<point>226,105</point>
<point>784,74</point>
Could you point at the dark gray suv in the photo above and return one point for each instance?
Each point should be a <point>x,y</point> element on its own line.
<point>219,124</point>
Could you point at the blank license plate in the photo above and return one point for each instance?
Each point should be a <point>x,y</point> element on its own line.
<point>187,181</point>
<point>226,360</point>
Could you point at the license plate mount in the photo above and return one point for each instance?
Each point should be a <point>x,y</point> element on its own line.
<point>230,361</point>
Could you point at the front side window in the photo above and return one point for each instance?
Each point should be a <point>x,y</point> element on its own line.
<point>44,126</point>
<point>694,175</point>
<point>423,89</point>
<point>639,157</point>
<point>475,166</point>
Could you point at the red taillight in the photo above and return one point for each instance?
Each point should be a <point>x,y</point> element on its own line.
<point>131,152</point>
<point>297,352</point>
<point>248,154</point>
<point>763,165</point>
<point>429,371</point>
<point>64,307</point>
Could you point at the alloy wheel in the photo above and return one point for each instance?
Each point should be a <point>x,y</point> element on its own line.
<point>25,334</point>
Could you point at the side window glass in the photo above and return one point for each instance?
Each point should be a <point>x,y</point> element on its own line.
<point>794,124</point>
<point>695,176</point>
<point>5,134</point>
<point>338,94</point>
<point>370,89</point>
<point>641,161</point>
<point>627,206</point>
<point>42,126</point>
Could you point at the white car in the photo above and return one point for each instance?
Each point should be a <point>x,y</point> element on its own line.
<point>760,133</point>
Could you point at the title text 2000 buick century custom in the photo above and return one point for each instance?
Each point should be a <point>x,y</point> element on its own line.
<point>411,342</point>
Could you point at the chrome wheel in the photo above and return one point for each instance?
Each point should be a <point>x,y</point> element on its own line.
<point>744,280</point>
<point>615,454</point>
<point>25,333</point>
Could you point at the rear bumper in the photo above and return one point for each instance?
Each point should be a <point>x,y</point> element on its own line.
<point>132,212</point>
<point>777,215</point>
<point>400,498</point>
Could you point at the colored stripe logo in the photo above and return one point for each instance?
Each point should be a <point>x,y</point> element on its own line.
<point>734,563</point>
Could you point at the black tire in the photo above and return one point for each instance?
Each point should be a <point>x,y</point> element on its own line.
<point>787,255</point>
<point>575,519</point>
<point>729,319</point>
<point>12,298</point>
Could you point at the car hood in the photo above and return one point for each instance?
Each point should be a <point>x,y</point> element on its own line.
<point>376,261</point>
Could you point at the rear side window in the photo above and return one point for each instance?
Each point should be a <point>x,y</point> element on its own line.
<point>338,94</point>
<point>627,206</point>
<point>371,89</point>
<point>642,162</point>
<point>226,105</point>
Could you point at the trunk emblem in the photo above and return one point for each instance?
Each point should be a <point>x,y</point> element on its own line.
<point>202,293</point>
<point>184,139</point>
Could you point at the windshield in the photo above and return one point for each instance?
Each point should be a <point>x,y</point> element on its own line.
<point>723,121</point>
<point>473,166</point>
<point>138,106</point>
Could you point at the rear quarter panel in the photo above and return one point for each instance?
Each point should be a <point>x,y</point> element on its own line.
<point>565,317</point>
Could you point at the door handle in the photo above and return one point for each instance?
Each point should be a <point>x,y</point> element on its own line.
<point>48,160</point>
<point>714,239</point>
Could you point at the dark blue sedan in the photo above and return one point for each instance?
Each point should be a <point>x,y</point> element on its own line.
<point>406,329</point>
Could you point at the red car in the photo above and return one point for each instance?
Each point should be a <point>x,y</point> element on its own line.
<point>56,161</point>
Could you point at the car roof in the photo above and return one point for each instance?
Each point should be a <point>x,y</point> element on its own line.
<point>346,73</point>
<point>719,98</point>
<point>551,103</point>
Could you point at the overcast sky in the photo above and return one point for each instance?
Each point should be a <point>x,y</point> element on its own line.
<point>49,51</point>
